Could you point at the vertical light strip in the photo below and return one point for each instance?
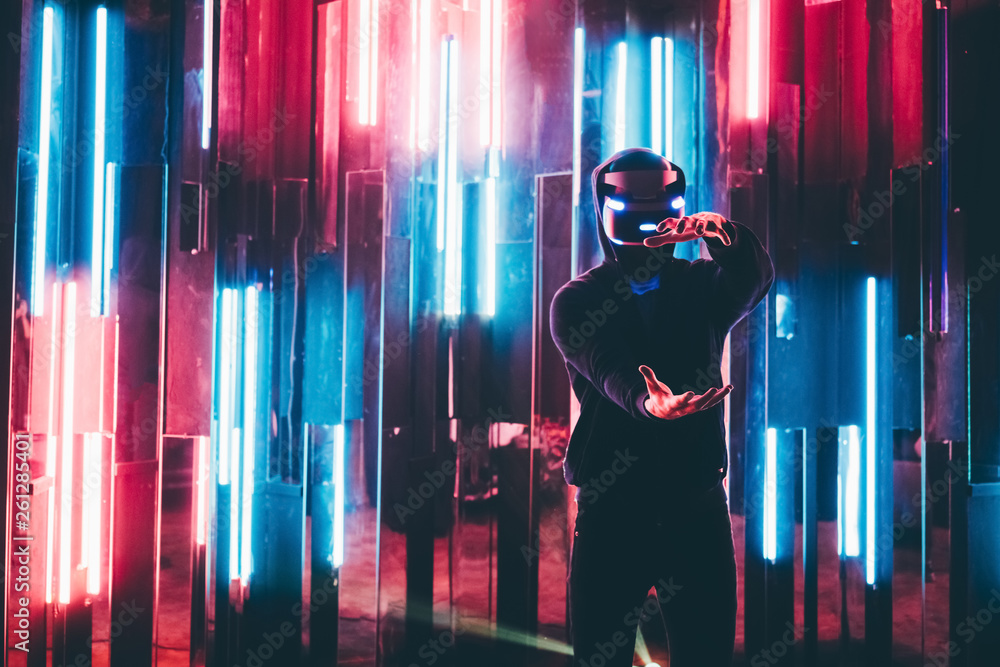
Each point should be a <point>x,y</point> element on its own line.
<point>114,387</point>
<point>453,251</point>
<point>451,377</point>
<point>208,64</point>
<point>668,98</point>
<point>656,94</point>
<point>235,499</point>
<point>364,67</point>
<point>496,94</point>
<point>201,487</point>
<point>249,424</point>
<point>226,338</point>
<point>578,62</point>
<point>109,235</point>
<point>485,70</point>
<point>620,96</point>
<point>423,93</point>
<point>945,198</point>
<point>770,495</point>
<point>44,148</point>
<point>54,347</point>
<point>373,59</point>
<point>414,51</point>
<point>66,469</point>
<point>92,511</point>
<point>490,297</point>
<point>753,59</point>
<point>98,195</point>
<point>840,507</point>
<point>52,440</point>
<point>442,165</point>
<point>338,495</point>
<point>870,439</point>
<point>235,504</point>
<point>852,514</point>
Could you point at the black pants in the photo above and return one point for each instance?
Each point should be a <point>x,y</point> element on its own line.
<point>684,549</point>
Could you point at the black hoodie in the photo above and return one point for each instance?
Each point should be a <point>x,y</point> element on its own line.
<point>617,449</point>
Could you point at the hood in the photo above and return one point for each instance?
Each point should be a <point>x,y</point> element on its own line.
<point>606,245</point>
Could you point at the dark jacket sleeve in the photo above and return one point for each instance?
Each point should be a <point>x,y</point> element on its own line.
<point>743,273</point>
<point>600,357</point>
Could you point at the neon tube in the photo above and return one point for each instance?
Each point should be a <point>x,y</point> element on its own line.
<point>99,195</point>
<point>235,497</point>
<point>66,471</point>
<point>338,495</point>
<point>489,308</point>
<point>373,45</point>
<point>753,59</point>
<point>442,177</point>
<point>225,390</point>
<point>453,252</point>
<point>414,50</point>
<point>668,98</point>
<point>943,109</point>
<point>840,512</point>
<point>208,64</point>
<point>620,97</point>
<point>578,62</point>
<point>50,461</point>
<point>52,440</point>
<point>852,543</point>
<point>496,95</point>
<point>870,440</point>
<point>486,70</point>
<point>235,504</point>
<point>92,512</point>
<point>770,495</point>
<point>364,75</point>
<point>109,235</point>
<point>249,424</point>
<point>656,93</point>
<point>44,147</point>
<point>423,96</point>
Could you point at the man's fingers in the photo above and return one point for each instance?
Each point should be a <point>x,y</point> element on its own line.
<point>710,223</point>
<point>657,241</point>
<point>651,382</point>
<point>702,401</point>
<point>724,236</point>
<point>669,237</point>
<point>683,401</point>
<point>719,396</point>
<point>664,225</point>
<point>699,225</point>
<point>716,230</point>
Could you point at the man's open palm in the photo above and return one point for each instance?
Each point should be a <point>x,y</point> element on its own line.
<point>665,404</point>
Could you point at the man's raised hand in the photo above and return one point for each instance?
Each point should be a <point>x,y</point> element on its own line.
<point>674,230</point>
<point>665,404</point>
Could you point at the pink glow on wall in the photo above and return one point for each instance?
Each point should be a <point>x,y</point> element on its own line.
<point>753,58</point>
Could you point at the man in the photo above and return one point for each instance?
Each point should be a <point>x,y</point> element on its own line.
<point>639,333</point>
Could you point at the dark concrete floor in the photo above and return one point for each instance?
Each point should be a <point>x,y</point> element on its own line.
<point>471,593</point>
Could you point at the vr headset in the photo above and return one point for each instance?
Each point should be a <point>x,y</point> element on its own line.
<point>641,200</point>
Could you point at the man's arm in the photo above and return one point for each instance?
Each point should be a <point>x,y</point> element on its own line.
<point>743,273</point>
<point>599,357</point>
